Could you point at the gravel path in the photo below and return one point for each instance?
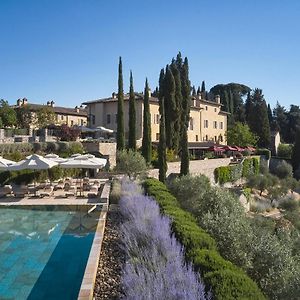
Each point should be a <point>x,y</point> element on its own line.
<point>107,285</point>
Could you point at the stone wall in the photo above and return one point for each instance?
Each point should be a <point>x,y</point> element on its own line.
<point>106,148</point>
<point>205,167</point>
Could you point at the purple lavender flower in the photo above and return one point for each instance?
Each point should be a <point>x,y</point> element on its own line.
<point>155,267</point>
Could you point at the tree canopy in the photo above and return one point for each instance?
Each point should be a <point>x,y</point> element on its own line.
<point>240,134</point>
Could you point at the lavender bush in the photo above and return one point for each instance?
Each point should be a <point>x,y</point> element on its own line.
<point>155,267</point>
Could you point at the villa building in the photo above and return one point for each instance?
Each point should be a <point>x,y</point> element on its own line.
<point>64,115</point>
<point>208,123</point>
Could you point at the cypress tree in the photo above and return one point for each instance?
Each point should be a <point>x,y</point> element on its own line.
<point>296,154</point>
<point>162,160</point>
<point>198,91</point>
<point>194,93</point>
<point>176,113</point>
<point>120,115</point>
<point>132,117</point>
<point>203,87</point>
<point>185,88</point>
<point>146,141</point>
<point>170,106</point>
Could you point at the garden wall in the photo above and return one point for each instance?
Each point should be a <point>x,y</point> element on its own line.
<point>205,167</point>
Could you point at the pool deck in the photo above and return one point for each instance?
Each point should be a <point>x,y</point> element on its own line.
<point>87,286</point>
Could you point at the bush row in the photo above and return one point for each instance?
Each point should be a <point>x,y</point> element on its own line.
<point>226,280</point>
<point>265,152</point>
<point>61,148</point>
<point>29,176</point>
<point>231,173</point>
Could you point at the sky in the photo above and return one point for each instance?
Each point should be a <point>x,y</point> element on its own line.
<point>68,50</point>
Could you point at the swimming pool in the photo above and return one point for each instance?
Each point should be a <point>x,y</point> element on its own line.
<point>44,250</point>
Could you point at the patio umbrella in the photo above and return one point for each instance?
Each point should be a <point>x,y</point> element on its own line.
<point>86,161</point>
<point>216,149</point>
<point>33,162</point>
<point>101,128</point>
<point>229,148</point>
<point>55,157</point>
<point>4,163</point>
<point>239,149</point>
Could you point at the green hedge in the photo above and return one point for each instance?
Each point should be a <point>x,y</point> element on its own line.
<point>265,152</point>
<point>232,173</point>
<point>226,280</point>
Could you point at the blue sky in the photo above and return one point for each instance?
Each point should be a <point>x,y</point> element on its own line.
<point>67,50</point>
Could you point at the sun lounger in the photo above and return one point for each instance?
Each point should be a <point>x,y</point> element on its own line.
<point>5,191</point>
<point>59,186</point>
<point>71,192</point>
<point>21,192</point>
<point>94,190</point>
<point>47,191</point>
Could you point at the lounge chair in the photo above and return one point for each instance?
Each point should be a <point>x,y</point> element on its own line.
<point>71,192</point>
<point>94,191</point>
<point>21,192</point>
<point>5,191</point>
<point>47,191</point>
<point>59,186</point>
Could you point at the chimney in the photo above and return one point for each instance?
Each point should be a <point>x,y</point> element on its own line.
<point>113,95</point>
<point>25,101</point>
<point>149,92</point>
<point>218,99</point>
<point>19,102</point>
<point>48,103</point>
<point>52,103</point>
<point>77,109</point>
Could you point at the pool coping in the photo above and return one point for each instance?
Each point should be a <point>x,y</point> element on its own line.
<point>86,291</point>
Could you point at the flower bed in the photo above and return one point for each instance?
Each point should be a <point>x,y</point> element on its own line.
<point>155,267</point>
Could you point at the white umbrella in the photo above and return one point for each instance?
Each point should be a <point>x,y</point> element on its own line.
<point>101,128</point>
<point>33,162</point>
<point>55,157</point>
<point>4,163</point>
<point>86,161</point>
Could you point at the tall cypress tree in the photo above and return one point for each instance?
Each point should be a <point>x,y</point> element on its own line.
<point>120,115</point>
<point>176,113</point>
<point>146,141</point>
<point>162,159</point>
<point>296,154</point>
<point>203,87</point>
<point>185,88</point>
<point>132,117</point>
<point>170,106</point>
<point>194,93</point>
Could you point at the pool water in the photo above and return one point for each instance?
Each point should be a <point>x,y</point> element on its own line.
<point>44,251</point>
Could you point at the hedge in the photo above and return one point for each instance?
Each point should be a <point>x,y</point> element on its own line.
<point>226,280</point>
<point>265,152</point>
<point>231,173</point>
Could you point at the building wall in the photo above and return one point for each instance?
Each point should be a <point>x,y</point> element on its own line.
<point>70,120</point>
<point>105,115</point>
<point>213,123</point>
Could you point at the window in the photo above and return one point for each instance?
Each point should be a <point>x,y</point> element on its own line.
<point>206,108</point>
<point>215,109</point>
<point>221,138</point>
<point>191,124</point>
<point>72,122</point>
<point>62,117</point>
<point>93,119</point>
<point>157,136</point>
<point>157,119</point>
<point>216,138</point>
<point>81,122</point>
<point>221,125</point>
<point>205,123</point>
<point>215,124</point>
<point>206,137</point>
<point>108,119</point>
<point>197,138</point>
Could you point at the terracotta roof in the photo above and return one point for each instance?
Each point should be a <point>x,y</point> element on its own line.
<point>138,96</point>
<point>57,109</point>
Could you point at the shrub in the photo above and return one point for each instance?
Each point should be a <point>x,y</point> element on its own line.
<point>265,152</point>
<point>171,155</point>
<point>209,154</point>
<point>63,147</point>
<point>115,192</point>
<point>285,151</point>
<point>55,173</point>
<point>222,175</point>
<point>131,162</point>
<point>246,153</point>
<point>289,204</point>
<point>37,147</point>
<point>283,170</point>
<point>52,147</point>
<point>155,263</point>
<point>75,147</point>
<point>195,239</point>
<point>263,167</point>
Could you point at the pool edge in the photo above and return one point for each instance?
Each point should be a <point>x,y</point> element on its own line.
<point>86,291</point>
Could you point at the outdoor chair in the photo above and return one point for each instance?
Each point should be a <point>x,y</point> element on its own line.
<point>21,192</point>
<point>71,192</point>
<point>5,191</point>
<point>93,193</point>
<point>47,191</point>
<point>59,186</point>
